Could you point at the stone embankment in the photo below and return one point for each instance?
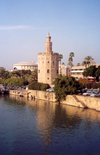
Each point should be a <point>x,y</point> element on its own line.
<point>73,100</point>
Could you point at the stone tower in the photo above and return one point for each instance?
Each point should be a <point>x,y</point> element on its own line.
<point>48,63</point>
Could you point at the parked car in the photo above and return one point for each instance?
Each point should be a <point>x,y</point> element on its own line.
<point>50,89</point>
<point>88,93</point>
<point>84,91</point>
<point>95,94</point>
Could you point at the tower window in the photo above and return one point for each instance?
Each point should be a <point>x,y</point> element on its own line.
<point>47,70</point>
<point>57,71</point>
<point>48,61</point>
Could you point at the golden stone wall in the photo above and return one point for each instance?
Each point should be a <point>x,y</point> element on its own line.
<point>73,100</point>
<point>48,63</point>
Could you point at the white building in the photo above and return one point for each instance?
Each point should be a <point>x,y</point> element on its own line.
<point>25,66</point>
<point>62,69</point>
<point>77,71</point>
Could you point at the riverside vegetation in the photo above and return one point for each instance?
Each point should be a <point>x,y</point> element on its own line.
<point>64,85</point>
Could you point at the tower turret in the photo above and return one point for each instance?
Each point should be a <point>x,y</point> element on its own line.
<point>48,45</point>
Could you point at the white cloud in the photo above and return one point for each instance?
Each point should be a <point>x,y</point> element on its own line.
<point>14,27</point>
<point>18,27</point>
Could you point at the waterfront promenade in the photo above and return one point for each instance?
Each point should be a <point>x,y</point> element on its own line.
<point>72,100</point>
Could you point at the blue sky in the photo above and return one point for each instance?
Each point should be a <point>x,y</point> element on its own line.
<point>74,26</point>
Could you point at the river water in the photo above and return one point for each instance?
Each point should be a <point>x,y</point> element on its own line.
<point>39,127</point>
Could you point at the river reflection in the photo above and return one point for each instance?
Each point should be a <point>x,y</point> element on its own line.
<point>49,128</point>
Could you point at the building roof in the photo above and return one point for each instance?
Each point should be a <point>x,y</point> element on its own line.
<point>97,65</point>
<point>78,67</point>
<point>25,63</point>
<point>83,67</point>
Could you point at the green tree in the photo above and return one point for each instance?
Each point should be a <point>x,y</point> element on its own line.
<point>84,63</point>
<point>34,74</point>
<point>2,71</point>
<point>90,71</point>
<point>97,73</point>
<point>65,85</point>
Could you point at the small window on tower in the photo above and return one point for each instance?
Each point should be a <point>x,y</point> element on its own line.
<point>48,61</point>
<point>47,70</point>
<point>57,71</point>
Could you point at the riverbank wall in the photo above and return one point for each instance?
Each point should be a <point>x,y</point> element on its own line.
<point>73,100</point>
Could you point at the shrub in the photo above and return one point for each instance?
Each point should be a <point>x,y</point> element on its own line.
<point>45,86</point>
<point>38,86</point>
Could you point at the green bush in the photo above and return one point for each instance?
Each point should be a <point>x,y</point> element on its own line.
<point>45,86</point>
<point>38,86</point>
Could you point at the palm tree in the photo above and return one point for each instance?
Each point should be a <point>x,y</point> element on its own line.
<point>84,63</point>
<point>71,55</point>
<point>70,60</point>
<point>60,57</point>
<point>87,61</point>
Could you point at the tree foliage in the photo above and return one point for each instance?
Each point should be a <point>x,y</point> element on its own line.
<point>38,86</point>
<point>27,75</point>
<point>87,61</point>
<point>97,73</point>
<point>65,85</point>
<point>14,81</point>
<point>92,71</point>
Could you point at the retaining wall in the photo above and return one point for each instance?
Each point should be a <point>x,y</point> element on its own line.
<point>73,100</point>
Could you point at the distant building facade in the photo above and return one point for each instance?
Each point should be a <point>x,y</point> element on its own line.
<point>25,66</point>
<point>62,69</point>
<point>77,71</point>
<point>48,64</point>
